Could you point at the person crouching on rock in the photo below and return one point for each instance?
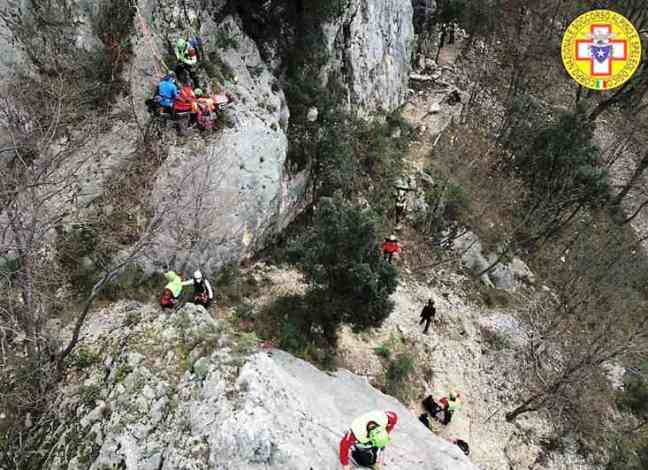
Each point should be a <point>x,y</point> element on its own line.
<point>450,404</point>
<point>203,293</point>
<point>185,101</point>
<point>172,290</point>
<point>365,442</point>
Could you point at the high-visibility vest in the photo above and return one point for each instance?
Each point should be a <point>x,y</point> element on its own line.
<point>453,405</point>
<point>174,284</point>
<point>359,425</point>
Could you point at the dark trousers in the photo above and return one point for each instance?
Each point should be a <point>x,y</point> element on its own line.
<point>427,321</point>
<point>201,299</point>
<point>400,209</point>
<point>425,420</point>
<point>388,256</point>
<point>186,72</point>
<point>447,416</point>
<point>364,457</point>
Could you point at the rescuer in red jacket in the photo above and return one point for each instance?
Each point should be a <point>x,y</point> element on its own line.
<point>365,442</point>
<point>390,247</point>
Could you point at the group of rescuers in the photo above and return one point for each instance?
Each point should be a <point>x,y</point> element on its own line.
<point>179,90</point>
<point>364,444</point>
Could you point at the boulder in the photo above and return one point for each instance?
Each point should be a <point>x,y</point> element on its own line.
<point>469,247</point>
<point>312,114</point>
<point>434,108</point>
<point>507,276</point>
<point>201,367</point>
<point>521,271</point>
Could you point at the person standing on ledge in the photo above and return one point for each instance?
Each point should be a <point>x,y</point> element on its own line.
<point>427,315</point>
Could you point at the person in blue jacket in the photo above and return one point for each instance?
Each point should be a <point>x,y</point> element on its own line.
<point>168,91</point>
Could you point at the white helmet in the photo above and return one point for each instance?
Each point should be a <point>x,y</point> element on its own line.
<point>197,275</point>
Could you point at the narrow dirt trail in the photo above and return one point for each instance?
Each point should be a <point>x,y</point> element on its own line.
<point>453,355</point>
<point>451,352</point>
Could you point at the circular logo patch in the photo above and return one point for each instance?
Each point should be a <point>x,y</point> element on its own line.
<point>601,49</point>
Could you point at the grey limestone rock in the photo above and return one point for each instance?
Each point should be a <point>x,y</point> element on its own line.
<point>371,48</point>
<point>239,172</point>
<point>201,367</point>
<point>507,276</point>
<point>251,412</point>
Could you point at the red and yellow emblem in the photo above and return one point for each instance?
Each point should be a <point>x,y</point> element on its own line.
<point>601,49</point>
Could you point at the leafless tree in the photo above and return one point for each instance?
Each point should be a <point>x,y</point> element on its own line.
<point>571,336</point>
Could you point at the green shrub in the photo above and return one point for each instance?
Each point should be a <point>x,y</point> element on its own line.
<point>245,343</point>
<point>563,155</point>
<point>383,351</point>
<point>26,387</point>
<point>89,394</point>
<point>634,397</point>
<point>226,39</point>
<point>132,318</point>
<point>628,454</point>
<point>83,357</point>
<point>477,17</point>
<point>457,201</point>
<point>233,287</point>
<point>560,165</point>
<point>397,376</point>
<point>349,282</point>
<point>244,312</point>
<point>134,284</point>
<point>288,324</point>
<point>122,372</point>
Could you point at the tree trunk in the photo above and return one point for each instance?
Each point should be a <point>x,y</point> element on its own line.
<point>523,408</point>
<point>636,213</point>
<point>75,334</point>
<point>641,167</point>
<point>607,103</point>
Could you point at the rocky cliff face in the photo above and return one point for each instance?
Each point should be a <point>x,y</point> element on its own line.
<point>178,391</point>
<point>370,47</point>
<point>238,175</point>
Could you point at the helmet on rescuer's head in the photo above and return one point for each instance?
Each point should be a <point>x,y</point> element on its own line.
<point>379,437</point>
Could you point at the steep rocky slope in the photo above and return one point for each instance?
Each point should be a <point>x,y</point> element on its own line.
<point>239,175</point>
<point>168,391</point>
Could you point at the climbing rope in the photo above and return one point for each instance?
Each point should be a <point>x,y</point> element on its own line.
<point>150,43</point>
